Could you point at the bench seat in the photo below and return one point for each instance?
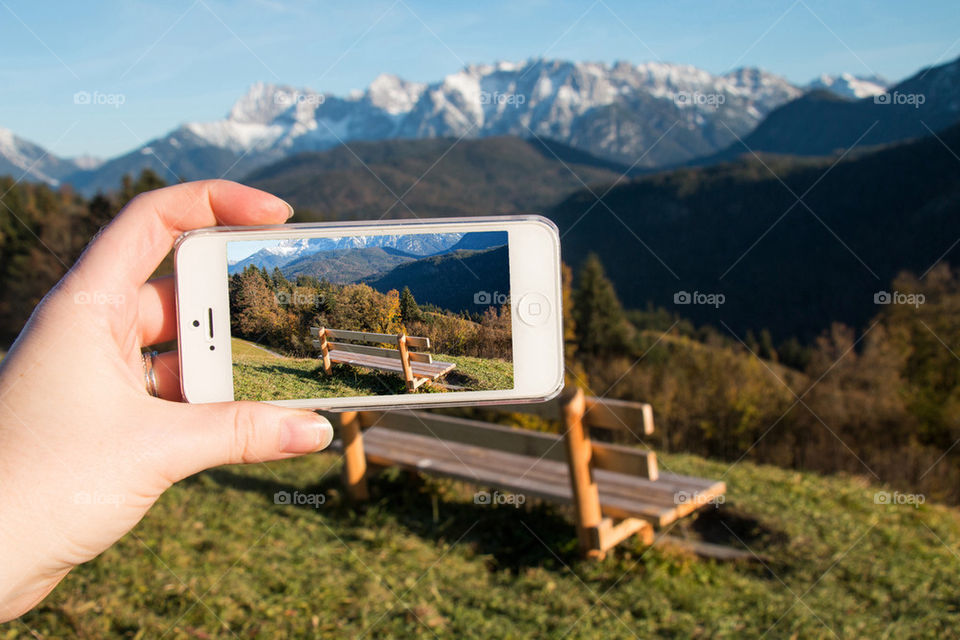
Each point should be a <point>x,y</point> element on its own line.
<point>621,495</point>
<point>431,370</point>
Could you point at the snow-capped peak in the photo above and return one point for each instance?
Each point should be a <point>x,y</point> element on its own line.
<point>394,95</point>
<point>27,158</point>
<point>610,111</point>
<point>849,86</point>
<point>289,247</point>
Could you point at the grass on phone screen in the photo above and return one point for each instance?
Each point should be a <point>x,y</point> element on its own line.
<point>260,374</point>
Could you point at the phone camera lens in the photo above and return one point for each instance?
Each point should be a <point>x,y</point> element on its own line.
<point>196,323</point>
<point>212,347</point>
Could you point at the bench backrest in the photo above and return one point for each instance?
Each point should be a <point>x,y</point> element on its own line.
<point>601,413</point>
<point>321,334</point>
<point>609,457</point>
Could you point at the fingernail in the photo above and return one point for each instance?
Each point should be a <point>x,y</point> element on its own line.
<point>305,432</point>
<point>289,209</point>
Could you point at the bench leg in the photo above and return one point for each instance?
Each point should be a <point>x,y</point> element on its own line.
<point>586,496</point>
<point>608,535</point>
<point>405,363</point>
<point>354,460</point>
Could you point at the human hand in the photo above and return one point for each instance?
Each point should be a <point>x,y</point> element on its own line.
<point>84,450</point>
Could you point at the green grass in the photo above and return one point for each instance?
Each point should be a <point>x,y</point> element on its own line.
<point>258,375</point>
<point>835,562</point>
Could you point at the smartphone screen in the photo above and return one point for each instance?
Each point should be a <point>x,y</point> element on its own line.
<point>370,315</point>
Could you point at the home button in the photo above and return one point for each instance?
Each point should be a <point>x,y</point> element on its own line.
<point>534,309</point>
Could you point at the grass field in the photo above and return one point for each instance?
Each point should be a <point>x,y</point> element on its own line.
<point>217,558</point>
<point>261,375</point>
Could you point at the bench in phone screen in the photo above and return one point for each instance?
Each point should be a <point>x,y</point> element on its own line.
<point>416,367</point>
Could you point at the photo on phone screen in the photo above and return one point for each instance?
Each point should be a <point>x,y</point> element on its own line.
<point>366,315</point>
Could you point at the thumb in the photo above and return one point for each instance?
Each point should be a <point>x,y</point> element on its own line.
<point>207,435</point>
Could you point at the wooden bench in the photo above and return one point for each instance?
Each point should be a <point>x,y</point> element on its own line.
<point>616,490</point>
<point>416,368</point>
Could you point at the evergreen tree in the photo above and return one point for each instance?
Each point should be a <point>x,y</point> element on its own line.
<point>599,319</point>
<point>148,180</point>
<point>278,279</point>
<point>409,311</point>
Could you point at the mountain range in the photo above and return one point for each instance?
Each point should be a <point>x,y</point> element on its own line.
<point>22,158</point>
<point>618,112</point>
<point>738,229</point>
<point>287,251</point>
<point>729,223</point>
<point>822,123</point>
<point>441,269</point>
<point>849,86</point>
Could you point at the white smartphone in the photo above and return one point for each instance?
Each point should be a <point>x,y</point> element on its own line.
<point>405,314</point>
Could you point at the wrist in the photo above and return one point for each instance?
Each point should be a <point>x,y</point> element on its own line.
<point>26,577</point>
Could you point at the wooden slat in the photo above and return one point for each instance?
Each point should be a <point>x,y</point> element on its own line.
<point>631,460</point>
<point>375,351</point>
<point>401,449</point>
<point>418,342</point>
<point>549,410</point>
<point>432,370</point>
<point>610,457</point>
<point>363,336</point>
<point>619,415</point>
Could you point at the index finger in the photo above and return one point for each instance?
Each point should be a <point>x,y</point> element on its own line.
<point>135,243</point>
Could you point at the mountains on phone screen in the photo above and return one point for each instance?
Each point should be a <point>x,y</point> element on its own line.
<point>438,268</point>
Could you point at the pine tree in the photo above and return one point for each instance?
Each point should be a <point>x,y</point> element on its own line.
<point>277,279</point>
<point>598,316</point>
<point>409,311</point>
<point>148,180</point>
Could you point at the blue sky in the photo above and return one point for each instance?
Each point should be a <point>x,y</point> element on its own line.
<point>189,60</point>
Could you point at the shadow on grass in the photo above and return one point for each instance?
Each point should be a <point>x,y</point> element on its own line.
<point>510,538</point>
<point>507,538</point>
